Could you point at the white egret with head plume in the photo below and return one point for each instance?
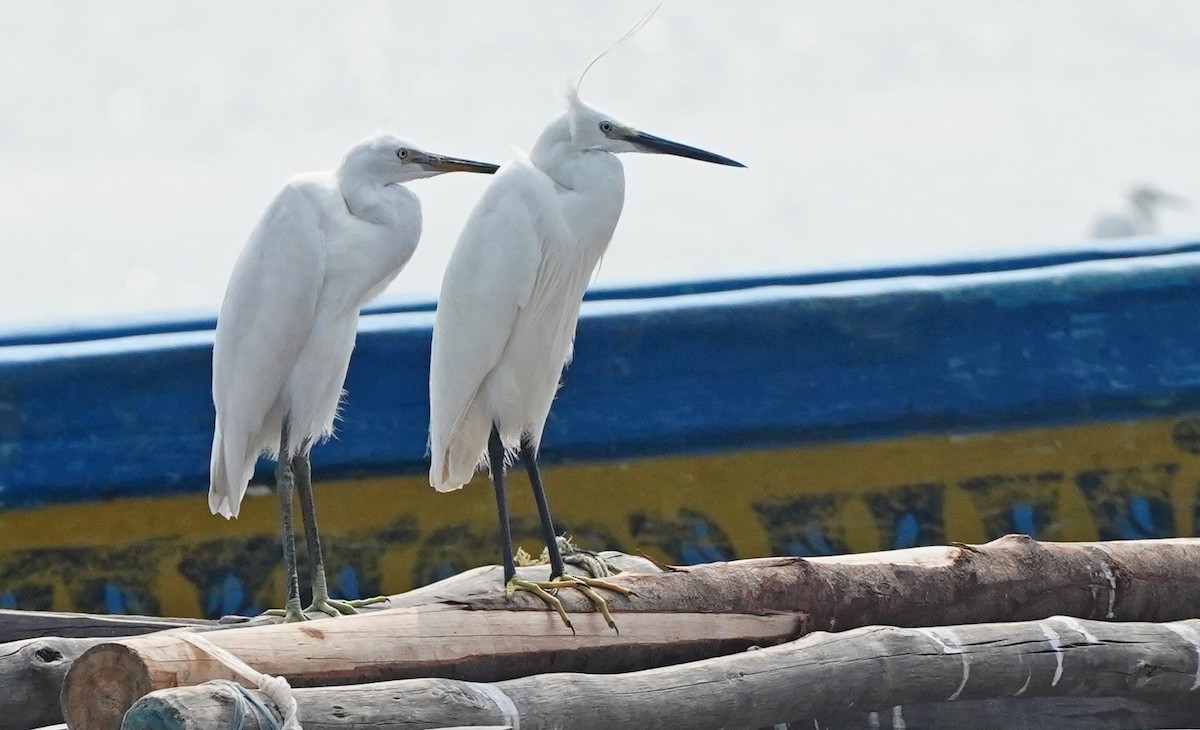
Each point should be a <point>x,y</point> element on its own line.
<point>510,301</point>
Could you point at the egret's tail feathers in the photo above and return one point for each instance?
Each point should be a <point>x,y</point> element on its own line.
<point>219,504</point>
<point>446,484</point>
<point>445,475</point>
<point>455,455</point>
<point>455,460</point>
<point>227,485</point>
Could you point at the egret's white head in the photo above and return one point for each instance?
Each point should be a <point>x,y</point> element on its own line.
<point>591,129</point>
<point>1147,197</point>
<point>388,159</point>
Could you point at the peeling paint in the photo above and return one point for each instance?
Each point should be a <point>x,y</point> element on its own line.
<point>1188,634</point>
<point>1055,644</point>
<point>949,643</point>
<point>1106,570</point>
<point>1075,626</point>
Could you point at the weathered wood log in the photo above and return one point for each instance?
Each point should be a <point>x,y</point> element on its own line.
<point>873,668</point>
<point>31,674</point>
<point>31,677</point>
<point>1035,713</point>
<point>40,646</point>
<point>37,648</point>
<point>689,614</point>
<point>410,642</point>
<point>16,625</point>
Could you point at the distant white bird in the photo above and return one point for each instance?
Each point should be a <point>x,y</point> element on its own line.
<point>510,301</point>
<point>327,244</point>
<point>1140,216</point>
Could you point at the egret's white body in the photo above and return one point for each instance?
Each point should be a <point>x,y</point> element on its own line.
<point>1139,216</point>
<point>326,245</point>
<point>511,294</point>
<point>510,298</point>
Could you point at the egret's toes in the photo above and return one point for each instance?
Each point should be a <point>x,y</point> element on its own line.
<point>585,586</point>
<point>290,615</point>
<point>597,583</point>
<point>597,601</point>
<point>334,607</point>
<point>360,602</point>
<point>516,584</point>
<point>545,589</point>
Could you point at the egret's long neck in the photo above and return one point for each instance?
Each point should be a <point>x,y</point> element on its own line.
<point>591,184</point>
<point>369,199</point>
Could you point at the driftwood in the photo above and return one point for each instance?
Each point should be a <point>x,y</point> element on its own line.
<point>31,676</point>
<point>1035,713</point>
<point>411,642</point>
<point>17,625</point>
<point>868,669</point>
<point>466,628</point>
<point>32,670</point>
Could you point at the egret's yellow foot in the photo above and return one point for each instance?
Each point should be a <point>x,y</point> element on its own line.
<point>290,614</point>
<point>331,607</point>
<point>535,587</point>
<point>334,607</point>
<point>583,585</point>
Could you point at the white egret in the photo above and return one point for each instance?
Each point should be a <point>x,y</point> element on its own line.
<point>510,302</point>
<point>327,244</point>
<point>1140,215</point>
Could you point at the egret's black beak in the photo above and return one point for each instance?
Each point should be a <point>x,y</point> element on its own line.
<point>650,143</point>
<point>440,163</point>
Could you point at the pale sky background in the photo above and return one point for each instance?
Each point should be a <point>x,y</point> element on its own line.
<point>139,141</point>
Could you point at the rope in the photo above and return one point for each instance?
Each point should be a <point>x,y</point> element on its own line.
<point>276,688</point>
<point>243,700</point>
<point>592,562</point>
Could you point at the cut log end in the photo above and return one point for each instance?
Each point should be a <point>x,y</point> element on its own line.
<point>99,698</point>
<point>190,708</point>
<point>150,713</point>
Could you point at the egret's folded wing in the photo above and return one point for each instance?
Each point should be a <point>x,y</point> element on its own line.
<point>265,320</point>
<point>488,281</point>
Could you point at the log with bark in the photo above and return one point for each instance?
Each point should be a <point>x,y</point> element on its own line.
<point>32,669</point>
<point>868,669</point>
<point>16,625</point>
<point>1035,713</point>
<point>469,629</point>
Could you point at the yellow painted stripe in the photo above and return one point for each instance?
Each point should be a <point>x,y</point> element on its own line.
<point>1082,481</point>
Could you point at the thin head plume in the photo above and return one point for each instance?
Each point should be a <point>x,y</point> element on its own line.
<point>628,34</point>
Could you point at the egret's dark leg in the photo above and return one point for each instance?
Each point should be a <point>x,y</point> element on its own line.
<point>511,582</point>
<point>496,461</point>
<point>529,456</point>
<point>283,490</point>
<point>320,589</point>
<point>557,569</point>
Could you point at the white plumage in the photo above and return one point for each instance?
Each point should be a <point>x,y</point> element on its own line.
<point>511,295</point>
<point>510,302</point>
<point>327,244</point>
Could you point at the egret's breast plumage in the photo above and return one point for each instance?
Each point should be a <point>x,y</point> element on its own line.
<point>510,303</point>
<point>288,321</point>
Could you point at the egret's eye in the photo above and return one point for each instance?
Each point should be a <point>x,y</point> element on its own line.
<point>606,127</point>
<point>403,153</point>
